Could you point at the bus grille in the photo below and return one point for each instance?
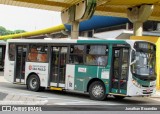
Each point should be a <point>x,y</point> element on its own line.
<point>146,86</point>
<point>147,91</point>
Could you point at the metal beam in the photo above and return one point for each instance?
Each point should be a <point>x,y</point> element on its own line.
<point>45,2</point>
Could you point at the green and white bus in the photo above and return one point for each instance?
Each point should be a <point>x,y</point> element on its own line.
<point>99,67</point>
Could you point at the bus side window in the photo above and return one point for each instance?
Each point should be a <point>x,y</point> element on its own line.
<point>38,54</point>
<point>42,57</point>
<point>12,52</point>
<point>97,55</point>
<point>42,54</point>
<point>76,54</point>
<point>32,56</point>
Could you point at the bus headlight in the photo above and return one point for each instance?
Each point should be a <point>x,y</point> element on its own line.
<point>136,83</point>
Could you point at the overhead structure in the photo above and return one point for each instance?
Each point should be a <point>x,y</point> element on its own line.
<point>75,11</point>
<point>99,22</point>
<point>138,15</point>
<point>116,8</point>
<point>95,22</point>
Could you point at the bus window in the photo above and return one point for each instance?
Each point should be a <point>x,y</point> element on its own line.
<point>97,55</point>
<point>76,54</point>
<point>37,54</point>
<point>12,52</point>
<point>42,54</point>
<point>32,56</point>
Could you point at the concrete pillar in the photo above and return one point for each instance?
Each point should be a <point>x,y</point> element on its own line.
<point>78,13</point>
<point>138,15</point>
<point>75,30</point>
<point>138,28</point>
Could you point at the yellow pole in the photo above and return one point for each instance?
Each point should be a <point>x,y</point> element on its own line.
<point>34,33</point>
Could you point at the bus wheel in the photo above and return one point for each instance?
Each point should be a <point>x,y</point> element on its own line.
<point>97,91</point>
<point>33,83</point>
<point>119,97</point>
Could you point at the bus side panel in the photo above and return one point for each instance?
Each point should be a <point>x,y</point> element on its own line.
<point>82,76</point>
<point>9,70</point>
<point>41,69</point>
<point>69,80</point>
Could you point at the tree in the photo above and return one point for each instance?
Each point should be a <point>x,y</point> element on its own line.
<point>4,31</point>
<point>19,31</point>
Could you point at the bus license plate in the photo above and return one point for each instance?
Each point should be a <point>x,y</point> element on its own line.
<point>148,90</point>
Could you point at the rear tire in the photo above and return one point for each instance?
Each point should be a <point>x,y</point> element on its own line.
<point>97,91</point>
<point>33,83</point>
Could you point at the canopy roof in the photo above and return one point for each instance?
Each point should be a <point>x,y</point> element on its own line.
<point>116,8</point>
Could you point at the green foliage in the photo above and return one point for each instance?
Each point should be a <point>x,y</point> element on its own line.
<point>4,31</point>
<point>19,31</point>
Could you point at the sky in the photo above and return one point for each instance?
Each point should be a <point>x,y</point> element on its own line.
<point>28,19</point>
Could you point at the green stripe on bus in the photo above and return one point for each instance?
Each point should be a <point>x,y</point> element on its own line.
<point>141,82</point>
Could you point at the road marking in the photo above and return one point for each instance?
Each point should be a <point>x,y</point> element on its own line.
<point>71,103</point>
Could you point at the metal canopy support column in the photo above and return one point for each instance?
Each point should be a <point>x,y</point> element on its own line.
<point>138,15</point>
<point>75,30</point>
<point>77,13</point>
<point>138,28</point>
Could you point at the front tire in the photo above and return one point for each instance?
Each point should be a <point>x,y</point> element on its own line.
<point>97,91</point>
<point>33,83</point>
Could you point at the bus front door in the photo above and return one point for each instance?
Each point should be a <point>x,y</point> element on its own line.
<point>58,66</point>
<point>120,69</point>
<point>20,63</point>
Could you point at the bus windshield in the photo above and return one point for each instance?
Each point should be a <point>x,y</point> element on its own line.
<point>144,67</point>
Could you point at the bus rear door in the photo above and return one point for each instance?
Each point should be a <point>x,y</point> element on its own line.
<point>58,66</point>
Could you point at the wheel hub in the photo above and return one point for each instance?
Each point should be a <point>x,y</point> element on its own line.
<point>33,83</point>
<point>98,91</point>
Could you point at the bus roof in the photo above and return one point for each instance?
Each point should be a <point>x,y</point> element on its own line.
<point>68,40</point>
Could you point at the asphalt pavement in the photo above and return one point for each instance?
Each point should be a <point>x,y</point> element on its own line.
<point>18,94</point>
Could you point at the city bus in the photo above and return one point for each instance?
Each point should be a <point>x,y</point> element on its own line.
<point>121,68</point>
<point>2,53</point>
